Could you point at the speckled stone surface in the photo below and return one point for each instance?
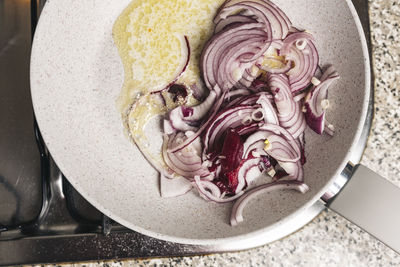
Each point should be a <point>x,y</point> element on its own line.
<point>330,240</point>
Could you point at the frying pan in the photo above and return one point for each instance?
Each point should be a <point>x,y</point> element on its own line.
<point>77,75</point>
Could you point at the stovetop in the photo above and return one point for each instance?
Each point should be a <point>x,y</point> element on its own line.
<point>43,219</point>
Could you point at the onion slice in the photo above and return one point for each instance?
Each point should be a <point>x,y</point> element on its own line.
<point>237,210</point>
<point>228,118</point>
<point>174,187</point>
<point>245,173</point>
<point>314,102</point>
<point>283,146</point>
<point>187,162</point>
<point>183,118</point>
<point>305,61</point>
<point>208,191</point>
<point>231,20</point>
<point>289,112</point>
<point>264,11</point>
<point>230,52</point>
<point>190,139</point>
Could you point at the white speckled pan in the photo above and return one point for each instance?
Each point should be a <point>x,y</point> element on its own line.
<point>76,77</point>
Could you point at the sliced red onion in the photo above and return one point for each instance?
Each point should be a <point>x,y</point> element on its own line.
<point>229,118</point>
<point>301,44</point>
<point>255,99</point>
<point>263,10</point>
<point>182,117</point>
<point>222,61</point>
<point>302,144</point>
<point>231,20</point>
<point>267,166</point>
<point>329,128</point>
<point>270,115</point>
<point>294,170</point>
<point>199,91</point>
<point>252,120</point>
<point>235,94</point>
<point>167,127</point>
<point>174,187</point>
<point>259,86</point>
<point>208,191</point>
<point>299,97</point>
<point>305,61</point>
<point>257,115</point>
<point>177,122</point>
<point>235,97</point>
<point>233,65</point>
<point>237,210</point>
<point>249,75</point>
<point>280,148</point>
<point>231,152</point>
<point>246,173</point>
<point>314,101</point>
<point>189,140</point>
<point>289,112</point>
<point>247,120</point>
<point>246,129</point>
<point>280,130</point>
<point>186,162</point>
<point>250,99</point>
<point>208,186</point>
<point>255,177</point>
<point>239,42</point>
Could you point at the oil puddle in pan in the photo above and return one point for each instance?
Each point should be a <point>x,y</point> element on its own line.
<point>155,39</point>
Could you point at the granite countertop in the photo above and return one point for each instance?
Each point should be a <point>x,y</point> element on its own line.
<point>330,240</point>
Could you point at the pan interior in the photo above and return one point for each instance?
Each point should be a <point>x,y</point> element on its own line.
<point>76,77</point>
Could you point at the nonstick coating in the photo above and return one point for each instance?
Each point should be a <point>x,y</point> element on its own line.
<point>76,77</point>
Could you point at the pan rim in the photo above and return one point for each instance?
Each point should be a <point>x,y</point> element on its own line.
<point>252,234</point>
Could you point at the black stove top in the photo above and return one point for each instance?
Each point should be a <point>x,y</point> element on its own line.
<point>43,219</point>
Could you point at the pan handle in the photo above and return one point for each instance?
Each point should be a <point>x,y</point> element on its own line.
<point>371,202</point>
